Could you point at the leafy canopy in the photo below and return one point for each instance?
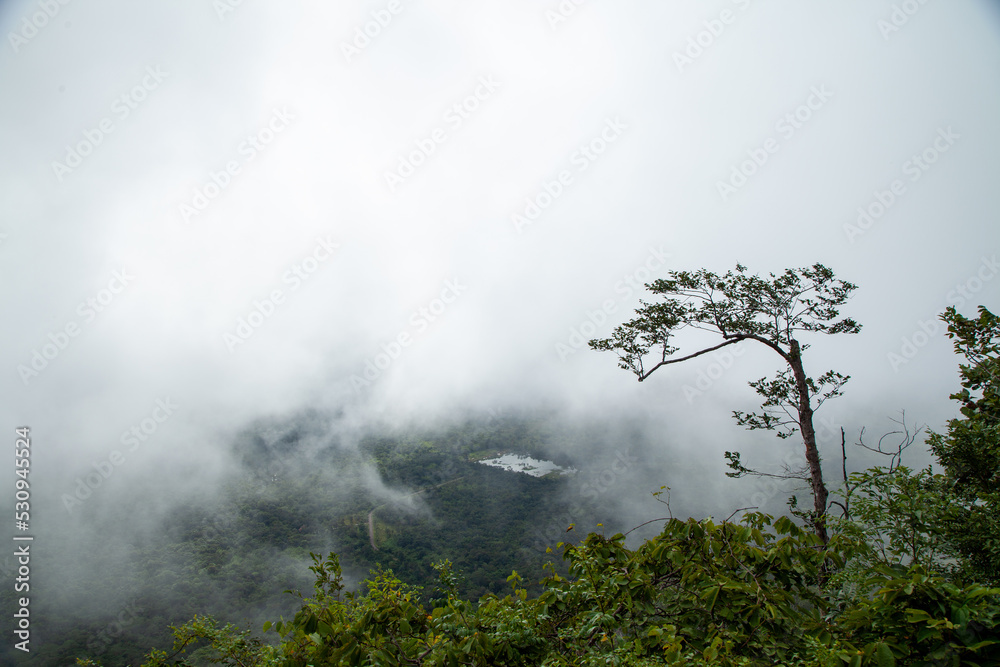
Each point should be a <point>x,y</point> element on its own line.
<point>736,306</point>
<point>969,451</point>
<point>701,593</point>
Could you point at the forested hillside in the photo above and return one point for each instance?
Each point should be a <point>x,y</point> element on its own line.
<point>900,576</point>
<point>234,554</point>
<point>434,558</point>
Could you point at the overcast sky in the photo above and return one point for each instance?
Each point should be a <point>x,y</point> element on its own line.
<point>213,212</point>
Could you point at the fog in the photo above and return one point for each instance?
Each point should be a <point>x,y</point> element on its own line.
<point>216,216</point>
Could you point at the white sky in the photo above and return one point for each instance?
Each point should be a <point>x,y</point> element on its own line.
<point>678,129</point>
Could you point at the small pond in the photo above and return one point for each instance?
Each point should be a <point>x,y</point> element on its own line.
<point>527,465</point>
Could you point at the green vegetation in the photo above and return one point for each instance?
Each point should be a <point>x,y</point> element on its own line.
<point>755,592</point>
<point>969,451</point>
<point>903,573</point>
<point>232,554</point>
<point>739,307</point>
<point>896,582</point>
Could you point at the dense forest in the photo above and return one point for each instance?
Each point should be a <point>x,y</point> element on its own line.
<point>457,562</point>
<point>902,576</point>
<point>234,554</point>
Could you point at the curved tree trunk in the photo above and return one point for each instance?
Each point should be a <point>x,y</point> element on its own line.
<point>809,440</point>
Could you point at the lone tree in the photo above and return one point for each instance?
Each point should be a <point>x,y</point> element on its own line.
<point>740,307</point>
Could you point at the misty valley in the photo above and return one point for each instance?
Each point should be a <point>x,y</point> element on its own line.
<point>437,544</point>
<point>490,495</point>
<point>500,334</point>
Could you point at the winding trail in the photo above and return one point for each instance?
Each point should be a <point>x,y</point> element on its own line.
<point>371,515</point>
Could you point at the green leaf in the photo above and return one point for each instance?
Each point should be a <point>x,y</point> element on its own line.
<point>311,624</point>
<point>710,596</point>
<point>884,656</point>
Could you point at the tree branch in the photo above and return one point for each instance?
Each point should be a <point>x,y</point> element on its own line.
<point>665,362</point>
<point>730,340</point>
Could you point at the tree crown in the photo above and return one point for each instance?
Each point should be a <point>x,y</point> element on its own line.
<point>736,306</point>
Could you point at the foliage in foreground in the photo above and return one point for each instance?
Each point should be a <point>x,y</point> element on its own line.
<point>740,307</point>
<point>754,592</point>
<point>895,584</point>
<point>969,451</point>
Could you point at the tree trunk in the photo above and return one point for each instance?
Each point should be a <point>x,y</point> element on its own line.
<point>809,440</point>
